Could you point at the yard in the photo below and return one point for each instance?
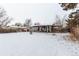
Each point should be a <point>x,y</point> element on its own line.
<point>37,44</point>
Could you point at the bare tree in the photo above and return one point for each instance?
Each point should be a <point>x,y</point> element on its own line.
<point>58,21</point>
<point>8,21</point>
<point>18,24</point>
<point>27,23</point>
<point>4,18</point>
<point>37,23</point>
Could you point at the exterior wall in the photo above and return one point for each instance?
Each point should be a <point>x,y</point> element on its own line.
<point>35,29</point>
<point>42,28</point>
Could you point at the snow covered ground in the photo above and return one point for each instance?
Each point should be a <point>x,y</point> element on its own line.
<point>37,44</point>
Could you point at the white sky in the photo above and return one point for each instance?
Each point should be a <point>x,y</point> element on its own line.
<point>38,12</point>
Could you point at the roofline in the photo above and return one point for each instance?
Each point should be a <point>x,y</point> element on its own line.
<point>45,25</point>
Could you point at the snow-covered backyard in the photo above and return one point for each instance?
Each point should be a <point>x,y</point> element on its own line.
<point>37,44</point>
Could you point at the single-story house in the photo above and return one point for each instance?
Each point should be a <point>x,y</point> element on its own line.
<point>46,28</point>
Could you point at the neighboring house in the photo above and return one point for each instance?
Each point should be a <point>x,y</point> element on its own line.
<point>46,28</point>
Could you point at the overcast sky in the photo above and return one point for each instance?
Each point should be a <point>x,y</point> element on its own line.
<point>43,13</point>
